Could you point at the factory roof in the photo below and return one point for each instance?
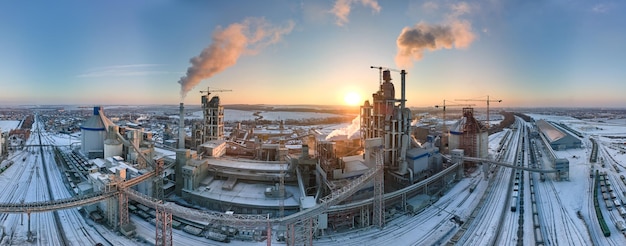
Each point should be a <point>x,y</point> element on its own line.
<point>100,163</point>
<point>213,143</point>
<point>249,164</point>
<point>551,132</point>
<point>97,122</point>
<point>251,194</point>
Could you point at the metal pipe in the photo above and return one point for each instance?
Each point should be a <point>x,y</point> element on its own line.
<point>181,128</point>
<point>402,89</point>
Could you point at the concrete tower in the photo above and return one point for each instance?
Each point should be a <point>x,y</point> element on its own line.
<point>213,128</point>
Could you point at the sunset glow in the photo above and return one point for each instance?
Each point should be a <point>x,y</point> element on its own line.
<point>313,52</point>
<point>352,99</point>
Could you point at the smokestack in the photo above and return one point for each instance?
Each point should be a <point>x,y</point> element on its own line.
<point>181,128</point>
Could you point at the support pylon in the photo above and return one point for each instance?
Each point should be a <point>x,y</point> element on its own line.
<point>379,180</point>
<point>281,193</point>
<point>163,226</point>
<point>122,198</point>
<point>158,181</point>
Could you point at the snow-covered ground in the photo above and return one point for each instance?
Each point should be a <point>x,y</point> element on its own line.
<point>7,125</point>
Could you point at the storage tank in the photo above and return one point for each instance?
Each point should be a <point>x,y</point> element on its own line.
<point>93,132</point>
<point>112,145</point>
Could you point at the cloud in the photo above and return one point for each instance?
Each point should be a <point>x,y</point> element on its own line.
<point>246,38</point>
<point>123,71</point>
<point>430,6</point>
<point>342,8</point>
<point>459,9</point>
<point>600,8</point>
<point>453,33</point>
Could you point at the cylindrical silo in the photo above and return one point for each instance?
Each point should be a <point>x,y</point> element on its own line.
<point>93,133</point>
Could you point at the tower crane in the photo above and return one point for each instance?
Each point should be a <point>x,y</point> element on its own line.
<point>209,90</point>
<point>482,100</point>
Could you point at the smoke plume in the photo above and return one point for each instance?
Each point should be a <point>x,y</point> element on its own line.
<point>351,131</point>
<point>342,8</point>
<point>245,38</point>
<point>413,41</point>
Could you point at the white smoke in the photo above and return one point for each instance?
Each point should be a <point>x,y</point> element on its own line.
<point>351,131</point>
<point>245,38</point>
<point>454,33</point>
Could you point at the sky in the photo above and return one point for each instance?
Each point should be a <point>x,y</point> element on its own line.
<point>553,53</point>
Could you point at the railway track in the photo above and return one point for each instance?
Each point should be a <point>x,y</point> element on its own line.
<point>74,224</point>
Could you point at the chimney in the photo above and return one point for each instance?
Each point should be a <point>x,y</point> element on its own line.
<point>181,128</point>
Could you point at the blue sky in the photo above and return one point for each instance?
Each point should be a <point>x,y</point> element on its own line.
<point>527,53</point>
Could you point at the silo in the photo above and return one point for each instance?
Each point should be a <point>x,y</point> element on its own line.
<point>93,132</point>
<point>112,145</point>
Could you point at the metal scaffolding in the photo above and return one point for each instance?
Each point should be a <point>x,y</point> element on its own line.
<point>163,226</point>
<point>302,231</point>
<point>122,198</point>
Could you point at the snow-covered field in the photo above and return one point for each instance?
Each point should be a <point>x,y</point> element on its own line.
<point>7,125</point>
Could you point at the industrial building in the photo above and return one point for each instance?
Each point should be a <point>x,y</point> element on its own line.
<point>470,135</point>
<point>255,172</point>
<point>557,138</point>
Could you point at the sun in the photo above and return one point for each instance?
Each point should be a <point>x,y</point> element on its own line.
<point>352,98</point>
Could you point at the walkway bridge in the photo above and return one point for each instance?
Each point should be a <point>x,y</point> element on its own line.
<point>53,205</point>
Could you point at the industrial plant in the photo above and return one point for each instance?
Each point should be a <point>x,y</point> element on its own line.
<point>248,182</point>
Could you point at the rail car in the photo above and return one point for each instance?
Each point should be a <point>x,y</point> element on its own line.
<point>535,208</point>
<point>176,224</point>
<point>622,212</point>
<point>538,237</point>
<point>620,226</point>
<point>609,205</point>
<point>142,207</point>
<point>216,236</point>
<point>514,204</point>
<point>536,221</point>
<point>143,214</point>
<point>192,230</point>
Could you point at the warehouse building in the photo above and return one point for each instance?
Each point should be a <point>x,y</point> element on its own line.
<point>558,138</point>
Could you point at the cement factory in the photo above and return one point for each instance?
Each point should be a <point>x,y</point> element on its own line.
<point>253,175</point>
<point>245,183</point>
